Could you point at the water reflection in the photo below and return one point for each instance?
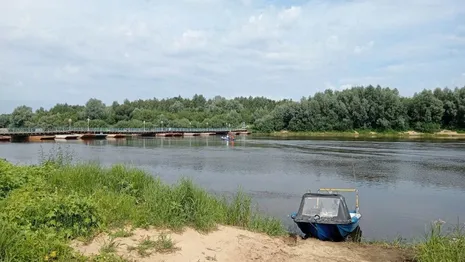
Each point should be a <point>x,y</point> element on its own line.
<point>403,184</point>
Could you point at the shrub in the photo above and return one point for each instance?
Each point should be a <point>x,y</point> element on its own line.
<point>35,209</point>
<point>45,206</point>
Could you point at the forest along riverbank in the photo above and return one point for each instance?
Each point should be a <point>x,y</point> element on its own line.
<point>86,212</point>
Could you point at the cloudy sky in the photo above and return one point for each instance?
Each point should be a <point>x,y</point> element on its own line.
<point>69,51</point>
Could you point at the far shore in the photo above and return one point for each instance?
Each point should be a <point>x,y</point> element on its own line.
<point>443,134</point>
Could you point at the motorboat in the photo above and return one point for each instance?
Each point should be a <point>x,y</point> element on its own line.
<point>325,215</point>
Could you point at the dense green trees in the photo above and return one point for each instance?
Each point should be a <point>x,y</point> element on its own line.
<point>371,108</point>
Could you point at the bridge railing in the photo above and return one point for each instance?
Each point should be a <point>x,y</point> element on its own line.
<point>117,130</point>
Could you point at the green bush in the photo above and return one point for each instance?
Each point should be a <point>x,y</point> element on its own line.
<point>17,244</point>
<point>13,177</point>
<point>71,215</point>
<point>45,206</point>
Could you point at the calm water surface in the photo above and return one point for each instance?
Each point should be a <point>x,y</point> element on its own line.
<point>404,185</point>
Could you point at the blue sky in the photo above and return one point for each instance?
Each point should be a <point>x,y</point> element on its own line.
<point>69,51</point>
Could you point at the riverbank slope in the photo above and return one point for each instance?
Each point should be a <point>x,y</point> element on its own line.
<point>232,244</point>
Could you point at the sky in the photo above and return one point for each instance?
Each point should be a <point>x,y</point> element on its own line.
<point>55,51</point>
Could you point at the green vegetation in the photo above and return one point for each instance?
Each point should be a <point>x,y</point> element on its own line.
<point>109,247</point>
<point>121,233</point>
<point>163,244</point>
<point>46,206</point>
<point>443,247</point>
<point>359,108</point>
<point>359,133</point>
<point>143,247</point>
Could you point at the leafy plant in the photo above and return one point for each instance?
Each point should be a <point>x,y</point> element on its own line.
<point>45,206</point>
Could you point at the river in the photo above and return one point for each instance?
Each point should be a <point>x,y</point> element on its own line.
<point>404,185</point>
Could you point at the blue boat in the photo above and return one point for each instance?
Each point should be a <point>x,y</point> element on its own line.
<point>325,216</point>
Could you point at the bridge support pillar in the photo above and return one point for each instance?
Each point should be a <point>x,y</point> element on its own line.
<point>19,138</point>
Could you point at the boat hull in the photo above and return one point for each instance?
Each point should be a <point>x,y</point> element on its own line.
<point>328,232</point>
<point>66,137</point>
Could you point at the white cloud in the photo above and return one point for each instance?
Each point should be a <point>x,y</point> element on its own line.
<point>359,49</point>
<point>225,47</point>
<point>191,39</point>
<point>289,15</point>
<point>345,86</point>
<point>70,69</point>
<point>328,85</point>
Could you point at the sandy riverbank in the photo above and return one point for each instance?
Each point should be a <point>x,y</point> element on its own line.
<point>233,244</point>
<point>443,134</point>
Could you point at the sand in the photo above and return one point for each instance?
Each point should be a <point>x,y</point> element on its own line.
<point>232,244</point>
<point>413,133</point>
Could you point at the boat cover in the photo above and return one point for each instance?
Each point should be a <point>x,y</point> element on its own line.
<point>323,209</point>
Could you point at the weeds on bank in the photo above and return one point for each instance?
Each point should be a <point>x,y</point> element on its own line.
<point>443,247</point>
<point>144,246</point>
<point>45,206</point>
<point>107,257</point>
<point>163,244</point>
<point>121,234</point>
<point>109,247</point>
<point>437,245</point>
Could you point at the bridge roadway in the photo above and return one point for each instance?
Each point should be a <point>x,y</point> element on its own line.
<point>18,132</point>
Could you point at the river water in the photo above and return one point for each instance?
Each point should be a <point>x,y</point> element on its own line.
<point>404,185</point>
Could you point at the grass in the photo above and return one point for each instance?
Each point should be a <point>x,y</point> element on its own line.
<point>107,257</point>
<point>121,233</point>
<point>442,247</point>
<point>46,206</point>
<point>109,247</point>
<point>144,246</point>
<point>437,245</point>
<point>163,244</point>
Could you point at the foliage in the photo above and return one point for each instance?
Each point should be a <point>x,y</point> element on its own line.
<point>442,247</point>
<point>46,206</point>
<point>369,108</point>
<point>4,120</point>
<point>21,116</point>
<point>17,244</point>
<point>33,208</point>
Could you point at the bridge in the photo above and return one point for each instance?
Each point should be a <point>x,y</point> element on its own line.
<point>33,132</point>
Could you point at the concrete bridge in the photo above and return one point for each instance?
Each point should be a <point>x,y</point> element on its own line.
<point>26,132</point>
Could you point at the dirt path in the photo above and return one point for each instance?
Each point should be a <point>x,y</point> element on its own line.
<point>232,244</point>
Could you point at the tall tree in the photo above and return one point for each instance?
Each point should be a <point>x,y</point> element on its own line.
<point>21,116</point>
<point>95,109</point>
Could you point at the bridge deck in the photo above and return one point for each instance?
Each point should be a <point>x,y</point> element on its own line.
<point>38,131</point>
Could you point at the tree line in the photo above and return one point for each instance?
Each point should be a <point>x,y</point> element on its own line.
<point>369,108</point>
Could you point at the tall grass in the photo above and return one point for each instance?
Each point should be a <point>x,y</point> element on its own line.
<point>55,202</point>
<point>444,247</point>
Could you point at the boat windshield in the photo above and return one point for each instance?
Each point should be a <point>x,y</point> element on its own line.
<point>321,206</point>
